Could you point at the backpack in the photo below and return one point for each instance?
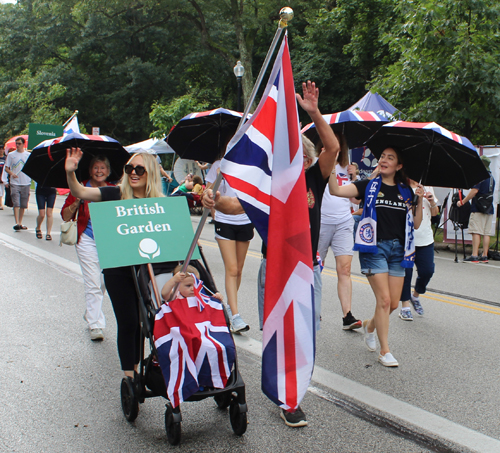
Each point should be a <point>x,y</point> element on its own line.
<point>484,201</point>
<point>459,215</point>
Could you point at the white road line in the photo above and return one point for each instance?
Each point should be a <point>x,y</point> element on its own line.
<point>422,419</point>
<point>366,396</point>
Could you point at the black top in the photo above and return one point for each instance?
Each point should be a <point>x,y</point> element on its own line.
<point>315,184</point>
<point>391,211</point>
<point>113,193</point>
<point>110,193</point>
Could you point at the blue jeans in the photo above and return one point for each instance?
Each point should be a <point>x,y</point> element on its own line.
<point>261,283</point>
<point>386,260</point>
<point>424,262</point>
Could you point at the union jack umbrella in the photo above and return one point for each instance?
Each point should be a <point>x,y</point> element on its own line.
<point>46,162</point>
<point>356,125</point>
<point>204,135</point>
<point>432,155</point>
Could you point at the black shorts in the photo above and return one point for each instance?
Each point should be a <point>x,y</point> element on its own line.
<point>45,196</point>
<point>241,233</point>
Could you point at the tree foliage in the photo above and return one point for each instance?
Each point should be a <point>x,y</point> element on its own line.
<point>134,68</point>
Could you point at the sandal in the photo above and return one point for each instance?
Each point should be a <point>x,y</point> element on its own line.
<point>48,237</point>
<point>38,234</point>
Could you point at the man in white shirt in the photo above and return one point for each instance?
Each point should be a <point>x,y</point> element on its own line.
<point>19,182</point>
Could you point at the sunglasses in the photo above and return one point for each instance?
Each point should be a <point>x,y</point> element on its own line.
<point>139,169</point>
<point>19,144</point>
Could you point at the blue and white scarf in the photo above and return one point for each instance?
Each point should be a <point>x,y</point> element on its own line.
<point>366,234</point>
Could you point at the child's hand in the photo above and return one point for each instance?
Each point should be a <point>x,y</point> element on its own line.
<point>179,277</point>
<point>218,296</point>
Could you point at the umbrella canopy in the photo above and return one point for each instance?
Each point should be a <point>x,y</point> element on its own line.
<point>356,125</point>
<point>46,162</point>
<point>204,135</point>
<point>11,143</point>
<point>151,146</point>
<point>431,154</point>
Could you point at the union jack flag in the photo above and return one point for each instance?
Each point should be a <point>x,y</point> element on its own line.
<point>195,348</point>
<point>200,295</point>
<point>72,126</point>
<point>269,144</point>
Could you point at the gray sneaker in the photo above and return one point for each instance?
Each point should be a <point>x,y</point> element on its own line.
<point>238,325</point>
<point>406,315</point>
<point>96,335</point>
<point>416,305</point>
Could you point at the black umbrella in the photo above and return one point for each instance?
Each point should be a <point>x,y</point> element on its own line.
<point>356,125</point>
<point>432,155</point>
<point>204,135</point>
<point>46,162</point>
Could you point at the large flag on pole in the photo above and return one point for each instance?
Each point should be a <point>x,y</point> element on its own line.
<point>264,166</point>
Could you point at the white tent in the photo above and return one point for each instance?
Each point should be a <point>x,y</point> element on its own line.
<point>152,145</point>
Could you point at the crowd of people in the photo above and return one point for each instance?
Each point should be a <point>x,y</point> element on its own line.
<point>386,218</point>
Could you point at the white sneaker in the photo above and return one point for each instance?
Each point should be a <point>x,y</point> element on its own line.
<point>388,360</point>
<point>370,341</point>
<point>96,335</point>
<point>238,325</point>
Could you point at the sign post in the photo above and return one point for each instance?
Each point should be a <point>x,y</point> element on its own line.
<point>139,231</point>
<point>37,133</point>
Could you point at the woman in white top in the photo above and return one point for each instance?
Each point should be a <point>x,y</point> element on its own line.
<point>336,233</point>
<point>233,234</point>
<point>424,257</point>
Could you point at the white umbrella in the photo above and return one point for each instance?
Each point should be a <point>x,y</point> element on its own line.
<point>152,146</point>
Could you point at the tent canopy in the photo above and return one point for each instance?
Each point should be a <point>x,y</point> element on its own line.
<point>376,103</point>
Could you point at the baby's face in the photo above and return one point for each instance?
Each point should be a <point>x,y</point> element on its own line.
<point>186,287</point>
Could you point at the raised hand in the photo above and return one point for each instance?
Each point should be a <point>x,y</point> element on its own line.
<point>73,157</point>
<point>309,99</point>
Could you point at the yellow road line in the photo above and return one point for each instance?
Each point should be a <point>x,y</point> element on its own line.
<point>429,295</point>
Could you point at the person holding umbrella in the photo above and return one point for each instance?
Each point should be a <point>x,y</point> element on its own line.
<point>384,239</point>
<point>141,180</point>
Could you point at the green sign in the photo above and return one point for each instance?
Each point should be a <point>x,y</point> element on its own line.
<point>37,133</point>
<point>144,230</point>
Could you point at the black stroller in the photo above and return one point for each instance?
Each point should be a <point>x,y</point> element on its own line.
<point>149,381</point>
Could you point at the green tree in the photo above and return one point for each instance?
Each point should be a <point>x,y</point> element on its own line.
<point>447,67</point>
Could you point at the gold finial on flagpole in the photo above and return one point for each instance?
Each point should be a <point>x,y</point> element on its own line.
<point>286,15</point>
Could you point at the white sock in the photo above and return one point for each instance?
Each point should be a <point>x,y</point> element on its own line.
<point>237,314</point>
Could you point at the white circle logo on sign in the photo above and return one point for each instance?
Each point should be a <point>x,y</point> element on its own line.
<point>148,248</point>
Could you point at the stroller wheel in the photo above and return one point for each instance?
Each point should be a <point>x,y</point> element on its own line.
<point>223,400</point>
<point>172,425</point>
<point>237,417</point>
<point>130,401</point>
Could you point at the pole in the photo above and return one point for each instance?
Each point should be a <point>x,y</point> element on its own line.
<point>71,117</point>
<point>286,14</point>
<point>238,104</point>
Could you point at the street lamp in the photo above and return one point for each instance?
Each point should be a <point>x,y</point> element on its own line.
<point>239,70</point>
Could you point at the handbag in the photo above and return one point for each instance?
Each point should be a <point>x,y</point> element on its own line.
<point>69,231</point>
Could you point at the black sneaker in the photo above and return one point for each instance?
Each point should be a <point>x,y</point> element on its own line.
<point>350,322</point>
<point>294,419</point>
<point>472,259</point>
<point>483,259</point>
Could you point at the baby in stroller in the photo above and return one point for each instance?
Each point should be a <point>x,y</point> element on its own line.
<point>186,283</point>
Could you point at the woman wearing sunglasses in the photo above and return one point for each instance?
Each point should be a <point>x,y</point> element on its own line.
<point>141,180</point>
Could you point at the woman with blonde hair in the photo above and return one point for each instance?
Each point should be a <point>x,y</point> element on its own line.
<point>141,180</point>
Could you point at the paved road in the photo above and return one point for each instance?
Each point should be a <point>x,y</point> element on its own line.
<point>61,391</point>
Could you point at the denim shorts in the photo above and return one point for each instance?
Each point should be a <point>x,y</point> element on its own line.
<point>387,260</point>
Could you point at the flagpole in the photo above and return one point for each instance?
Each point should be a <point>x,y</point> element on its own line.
<point>286,15</point>
<point>70,118</point>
